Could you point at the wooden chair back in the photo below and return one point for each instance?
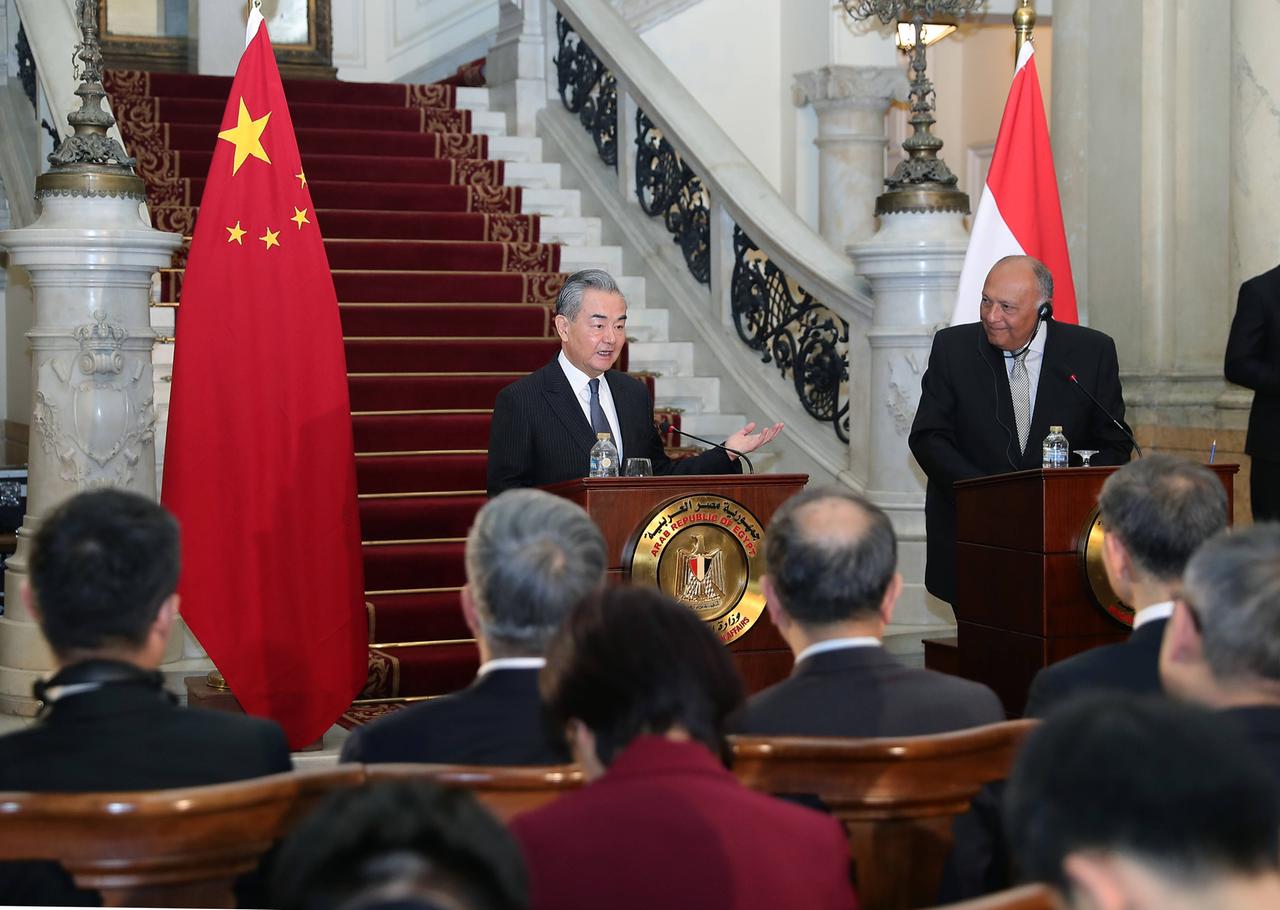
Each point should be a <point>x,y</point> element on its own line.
<point>505,790</point>
<point>1026,897</point>
<point>896,797</point>
<point>164,848</point>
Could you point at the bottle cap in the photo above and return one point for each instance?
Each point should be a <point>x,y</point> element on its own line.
<point>603,436</point>
<point>1055,429</point>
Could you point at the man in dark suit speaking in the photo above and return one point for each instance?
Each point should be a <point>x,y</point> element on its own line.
<point>992,390</point>
<point>545,424</point>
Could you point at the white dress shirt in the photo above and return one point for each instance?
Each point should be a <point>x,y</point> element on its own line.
<point>839,644</point>
<point>580,382</point>
<point>1161,610</point>
<point>1034,360</point>
<point>511,663</point>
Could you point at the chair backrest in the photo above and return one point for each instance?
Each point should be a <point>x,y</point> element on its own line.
<point>164,848</point>
<point>1025,897</point>
<point>505,790</point>
<point>896,797</point>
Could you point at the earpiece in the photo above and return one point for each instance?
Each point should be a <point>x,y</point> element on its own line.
<point>1045,311</point>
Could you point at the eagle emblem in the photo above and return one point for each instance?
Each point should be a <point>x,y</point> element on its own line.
<point>701,584</point>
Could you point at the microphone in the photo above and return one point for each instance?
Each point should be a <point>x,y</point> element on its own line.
<point>665,426</point>
<point>1119,425</point>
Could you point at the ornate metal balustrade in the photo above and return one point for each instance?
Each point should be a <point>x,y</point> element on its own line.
<point>789,327</point>
<point>666,186</point>
<point>588,89</point>
<point>30,81</point>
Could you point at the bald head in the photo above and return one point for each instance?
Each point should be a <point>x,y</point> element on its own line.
<point>831,556</point>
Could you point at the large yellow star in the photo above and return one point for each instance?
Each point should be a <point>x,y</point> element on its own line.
<point>236,233</point>
<point>269,238</point>
<point>246,136</point>
<point>300,217</point>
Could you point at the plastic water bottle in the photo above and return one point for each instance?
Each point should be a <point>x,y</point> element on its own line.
<point>604,457</point>
<point>1055,449</point>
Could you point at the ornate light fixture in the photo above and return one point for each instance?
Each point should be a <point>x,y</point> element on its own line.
<point>89,162</point>
<point>922,182</point>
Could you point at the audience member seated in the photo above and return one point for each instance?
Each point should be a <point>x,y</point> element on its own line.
<point>400,844</point>
<point>530,556</point>
<point>103,581</point>
<point>643,688</point>
<point>1157,511</point>
<point>1222,647</point>
<point>1143,803</point>
<point>831,588</point>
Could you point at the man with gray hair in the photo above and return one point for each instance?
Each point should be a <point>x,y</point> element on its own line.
<point>1157,512</point>
<point>545,424</point>
<point>831,589</point>
<point>1222,647</point>
<point>530,557</point>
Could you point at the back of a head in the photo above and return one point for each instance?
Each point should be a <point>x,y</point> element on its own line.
<point>1233,585</point>
<point>630,661</point>
<point>1165,784</point>
<point>530,557</point>
<point>830,555</point>
<point>1163,508</point>
<point>102,565</point>
<point>403,843</point>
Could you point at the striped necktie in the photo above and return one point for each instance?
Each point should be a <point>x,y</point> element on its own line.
<point>599,423</point>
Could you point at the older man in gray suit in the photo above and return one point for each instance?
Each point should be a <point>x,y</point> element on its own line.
<point>831,588</point>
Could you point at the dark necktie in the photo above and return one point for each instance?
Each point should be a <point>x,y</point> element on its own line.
<point>599,423</point>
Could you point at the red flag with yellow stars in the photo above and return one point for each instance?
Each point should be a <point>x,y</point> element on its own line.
<point>259,463</point>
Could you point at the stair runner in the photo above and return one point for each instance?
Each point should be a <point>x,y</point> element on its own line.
<point>445,296</point>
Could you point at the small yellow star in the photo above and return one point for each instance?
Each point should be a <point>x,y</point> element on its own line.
<point>269,238</point>
<point>301,175</point>
<point>300,217</point>
<point>236,233</point>
<point>246,136</point>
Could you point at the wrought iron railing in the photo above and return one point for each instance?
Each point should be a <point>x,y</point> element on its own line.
<point>807,341</point>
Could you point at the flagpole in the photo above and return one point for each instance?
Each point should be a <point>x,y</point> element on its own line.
<point>1024,20</point>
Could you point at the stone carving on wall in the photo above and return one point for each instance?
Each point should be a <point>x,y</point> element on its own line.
<point>869,87</point>
<point>904,391</point>
<point>95,415</point>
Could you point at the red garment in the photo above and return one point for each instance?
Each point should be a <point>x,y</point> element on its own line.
<point>259,463</point>
<point>668,827</point>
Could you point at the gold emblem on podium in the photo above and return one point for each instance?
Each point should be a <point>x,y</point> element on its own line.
<point>707,552</point>
<point>1089,554</point>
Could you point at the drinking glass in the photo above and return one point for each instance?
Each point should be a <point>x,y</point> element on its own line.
<point>1085,455</point>
<point>639,467</point>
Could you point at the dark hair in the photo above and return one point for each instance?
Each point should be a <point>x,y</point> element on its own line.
<point>1171,785</point>
<point>826,571</point>
<point>530,557</point>
<point>1163,508</point>
<point>1233,584</point>
<point>575,287</point>
<point>630,661</point>
<point>367,845</point>
<point>102,564</point>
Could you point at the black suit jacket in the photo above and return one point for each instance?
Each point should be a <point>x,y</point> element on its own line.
<point>539,434</point>
<point>964,426</point>
<point>497,720</point>
<point>1127,666</point>
<point>1261,726</point>
<point>866,692</point>
<point>126,736</point>
<point>1253,360</point>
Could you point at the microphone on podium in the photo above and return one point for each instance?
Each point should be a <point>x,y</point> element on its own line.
<point>665,427</point>
<point>1119,424</point>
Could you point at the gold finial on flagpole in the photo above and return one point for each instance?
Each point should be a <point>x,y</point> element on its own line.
<point>1024,20</point>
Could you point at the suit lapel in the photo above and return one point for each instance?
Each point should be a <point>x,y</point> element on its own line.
<point>1004,398</point>
<point>630,421</point>
<point>564,404</point>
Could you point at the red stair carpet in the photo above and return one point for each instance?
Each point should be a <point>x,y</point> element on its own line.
<point>445,295</point>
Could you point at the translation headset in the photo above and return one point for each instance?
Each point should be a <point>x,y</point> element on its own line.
<point>1043,313</point>
<point>97,673</point>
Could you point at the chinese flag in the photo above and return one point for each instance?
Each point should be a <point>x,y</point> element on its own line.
<point>259,464</point>
<point>1019,213</point>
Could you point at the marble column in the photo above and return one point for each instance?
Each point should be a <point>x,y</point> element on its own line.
<point>913,263</point>
<point>851,103</point>
<point>90,258</point>
<point>516,66</point>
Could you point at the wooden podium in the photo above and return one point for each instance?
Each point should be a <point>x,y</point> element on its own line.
<point>1023,597</point>
<point>621,506</point>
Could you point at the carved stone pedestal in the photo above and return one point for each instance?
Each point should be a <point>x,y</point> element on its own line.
<point>90,259</point>
<point>913,263</point>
